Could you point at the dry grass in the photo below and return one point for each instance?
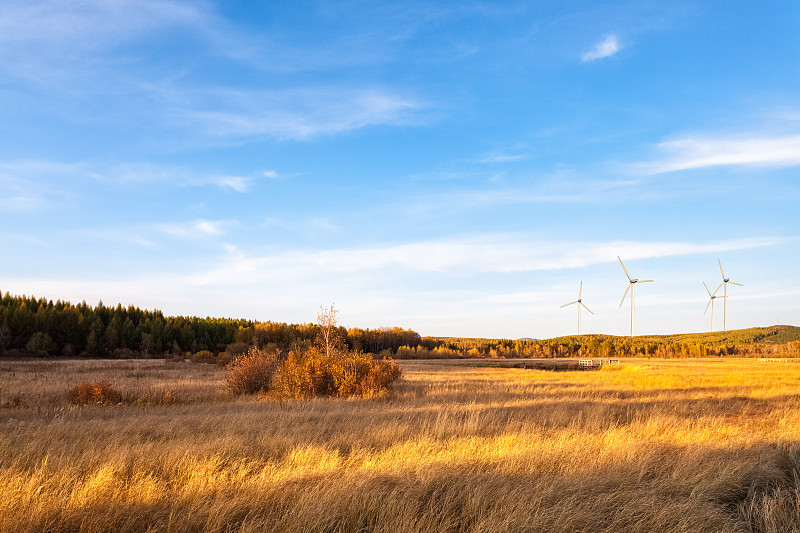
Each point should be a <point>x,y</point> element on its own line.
<point>43,385</point>
<point>648,446</point>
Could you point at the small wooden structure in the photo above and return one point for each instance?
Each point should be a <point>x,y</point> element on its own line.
<point>595,364</point>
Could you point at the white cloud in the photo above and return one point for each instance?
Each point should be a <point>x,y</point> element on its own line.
<point>236,183</point>
<point>554,190</point>
<point>22,202</point>
<point>498,157</point>
<point>29,185</point>
<point>697,152</point>
<point>89,22</point>
<point>480,254</point>
<point>196,229</point>
<point>54,40</point>
<point>34,183</point>
<point>297,114</point>
<point>436,296</point>
<point>605,48</point>
<point>175,176</point>
<point>95,52</point>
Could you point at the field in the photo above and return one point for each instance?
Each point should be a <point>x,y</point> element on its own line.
<point>647,445</point>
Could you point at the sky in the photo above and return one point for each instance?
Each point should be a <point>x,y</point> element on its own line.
<point>456,168</point>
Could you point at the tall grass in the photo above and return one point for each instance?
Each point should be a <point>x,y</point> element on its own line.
<point>653,446</point>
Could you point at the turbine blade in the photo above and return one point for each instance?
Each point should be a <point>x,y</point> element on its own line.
<point>718,288</point>
<point>707,305</point>
<point>720,268</point>
<point>624,295</point>
<point>584,306</point>
<point>579,291</point>
<point>645,281</point>
<point>708,291</point>
<point>570,303</point>
<point>734,283</point>
<point>623,268</point>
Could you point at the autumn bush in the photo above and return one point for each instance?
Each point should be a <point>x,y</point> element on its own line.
<point>204,356</point>
<point>100,392</point>
<point>314,373</point>
<point>327,368</point>
<point>303,375</point>
<point>252,372</point>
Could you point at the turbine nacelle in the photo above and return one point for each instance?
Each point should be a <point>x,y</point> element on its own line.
<point>725,282</point>
<point>711,297</point>
<point>580,303</point>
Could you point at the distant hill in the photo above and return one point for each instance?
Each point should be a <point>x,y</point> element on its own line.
<point>773,341</point>
<point>760,335</point>
<point>764,335</point>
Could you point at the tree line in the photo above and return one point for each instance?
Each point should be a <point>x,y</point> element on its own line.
<point>37,327</point>
<point>42,328</point>
<point>777,341</point>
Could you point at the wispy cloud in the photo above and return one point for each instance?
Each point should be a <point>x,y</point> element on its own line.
<point>32,184</point>
<point>174,176</point>
<point>499,157</point>
<point>95,51</point>
<point>28,185</point>
<point>698,152</point>
<point>605,48</point>
<point>295,114</point>
<point>478,254</point>
<point>197,228</point>
<point>52,40</point>
<point>372,283</point>
<point>553,190</point>
<point>83,23</point>
<point>236,183</point>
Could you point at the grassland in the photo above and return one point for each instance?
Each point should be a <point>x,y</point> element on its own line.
<point>648,445</point>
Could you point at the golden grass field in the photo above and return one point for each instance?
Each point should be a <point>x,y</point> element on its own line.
<point>648,445</point>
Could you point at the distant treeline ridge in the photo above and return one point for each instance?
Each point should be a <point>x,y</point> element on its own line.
<point>42,328</point>
<point>31,327</point>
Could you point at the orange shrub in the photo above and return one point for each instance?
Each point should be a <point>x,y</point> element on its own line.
<point>304,375</point>
<point>204,356</point>
<point>252,372</point>
<point>312,373</point>
<point>100,392</point>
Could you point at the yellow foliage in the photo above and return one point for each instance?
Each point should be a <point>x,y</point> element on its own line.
<point>313,373</point>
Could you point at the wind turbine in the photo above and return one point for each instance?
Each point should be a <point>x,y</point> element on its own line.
<point>580,303</point>
<point>725,281</point>
<point>631,285</point>
<point>713,296</point>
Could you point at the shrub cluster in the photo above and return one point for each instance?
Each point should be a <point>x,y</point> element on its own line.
<point>311,373</point>
<point>252,372</point>
<point>100,392</point>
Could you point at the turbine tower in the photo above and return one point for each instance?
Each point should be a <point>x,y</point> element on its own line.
<point>580,303</point>
<point>712,296</point>
<point>725,282</point>
<point>631,285</point>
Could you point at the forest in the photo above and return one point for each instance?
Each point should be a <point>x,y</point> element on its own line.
<point>37,327</point>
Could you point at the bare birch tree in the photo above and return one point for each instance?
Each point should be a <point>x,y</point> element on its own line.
<point>329,339</point>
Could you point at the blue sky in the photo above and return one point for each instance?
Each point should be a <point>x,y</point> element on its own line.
<point>457,168</point>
